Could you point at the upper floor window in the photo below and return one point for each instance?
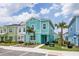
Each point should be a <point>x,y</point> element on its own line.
<point>1,31</point>
<point>19,29</point>
<point>10,30</point>
<point>23,29</point>
<point>44,26</point>
<point>4,30</point>
<point>33,27</point>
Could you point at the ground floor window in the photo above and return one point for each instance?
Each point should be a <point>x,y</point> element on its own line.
<point>32,37</point>
<point>11,37</point>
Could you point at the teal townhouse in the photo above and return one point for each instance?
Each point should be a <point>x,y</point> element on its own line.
<point>14,32</point>
<point>34,30</point>
<point>73,31</point>
<point>43,31</point>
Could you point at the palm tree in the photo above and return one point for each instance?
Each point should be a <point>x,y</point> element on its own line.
<point>29,29</point>
<point>62,26</point>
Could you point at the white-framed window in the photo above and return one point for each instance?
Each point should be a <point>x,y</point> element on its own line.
<point>33,27</point>
<point>18,37</point>
<point>23,29</point>
<point>10,30</point>
<point>19,29</point>
<point>44,26</point>
<point>4,30</point>
<point>1,31</point>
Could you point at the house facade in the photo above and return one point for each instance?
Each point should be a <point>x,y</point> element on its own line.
<point>73,31</point>
<point>14,32</point>
<point>43,31</point>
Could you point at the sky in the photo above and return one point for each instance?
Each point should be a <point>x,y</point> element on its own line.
<point>11,13</point>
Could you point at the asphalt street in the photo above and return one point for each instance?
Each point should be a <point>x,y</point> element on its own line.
<point>6,52</point>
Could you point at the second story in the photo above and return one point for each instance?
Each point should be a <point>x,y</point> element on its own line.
<point>42,26</point>
<point>21,29</point>
<point>47,26</point>
<point>13,29</point>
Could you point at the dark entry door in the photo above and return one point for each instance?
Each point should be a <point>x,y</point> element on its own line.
<point>43,39</point>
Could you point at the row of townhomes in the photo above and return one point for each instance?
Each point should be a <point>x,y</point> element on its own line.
<point>34,30</point>
<point>73,31</point>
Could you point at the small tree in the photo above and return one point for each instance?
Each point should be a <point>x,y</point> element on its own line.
<point>62,26</point>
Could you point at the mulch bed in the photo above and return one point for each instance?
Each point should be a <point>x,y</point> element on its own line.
<point>31,46</point>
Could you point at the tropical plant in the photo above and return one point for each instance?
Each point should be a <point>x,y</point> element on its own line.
<point>62,26</point>
<point>29,29</point>
<point>3,37</point>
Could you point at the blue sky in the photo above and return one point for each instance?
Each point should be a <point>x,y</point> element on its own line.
<point>57,12</point>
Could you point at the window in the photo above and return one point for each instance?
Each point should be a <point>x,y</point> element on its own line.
<point>10,37</point>
<point>4,30</point>
<point>1,31</point>
<point>19,29</point>
<point>10,30</point>
<point>32,26</point>
<point>22,37</point>
<point>32,38</point>
<point>44,26</point>
<point>23,29</point>
<point>19,37</point>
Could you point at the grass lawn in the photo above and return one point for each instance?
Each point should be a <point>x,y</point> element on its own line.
<point>7,44</point>
<point>57,47</point>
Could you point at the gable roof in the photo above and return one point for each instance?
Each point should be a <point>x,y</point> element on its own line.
<point>32,18</point>
<point>48,21</point>
<point>71,22</point>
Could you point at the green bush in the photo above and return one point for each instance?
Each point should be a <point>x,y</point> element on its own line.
<point>26,43</point>
<point>20,42</point>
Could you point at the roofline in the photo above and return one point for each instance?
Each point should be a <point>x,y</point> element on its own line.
<point>71,22</point>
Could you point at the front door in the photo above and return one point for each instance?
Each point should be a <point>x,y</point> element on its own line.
<point>43,39</point>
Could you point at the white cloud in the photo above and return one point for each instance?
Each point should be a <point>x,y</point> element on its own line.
<point>57,14</point>
<point>70,8</point>
<point>10,8</point>
<point>66,9</point>
<point>3,12</point>
<point>25,16</point>
<point>44,11</point>
<point>6,9</point>
<point>17,19</point>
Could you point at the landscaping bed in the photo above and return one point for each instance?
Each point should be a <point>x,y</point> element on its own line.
<point>7,44</point>
<point>22,45</point>
<point>26,45</point>
<point>60,48</point>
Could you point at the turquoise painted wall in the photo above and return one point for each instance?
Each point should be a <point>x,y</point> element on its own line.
<point>36,24</point>
<point>38,28</point>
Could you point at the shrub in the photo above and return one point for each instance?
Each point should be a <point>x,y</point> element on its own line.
<point>69,45</point>
<point>47,43</point>
<point>20,42</point>
<point>52,44</point>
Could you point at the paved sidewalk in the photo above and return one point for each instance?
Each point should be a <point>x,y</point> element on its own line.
<point>39,46</point>
<point>45,51</point>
